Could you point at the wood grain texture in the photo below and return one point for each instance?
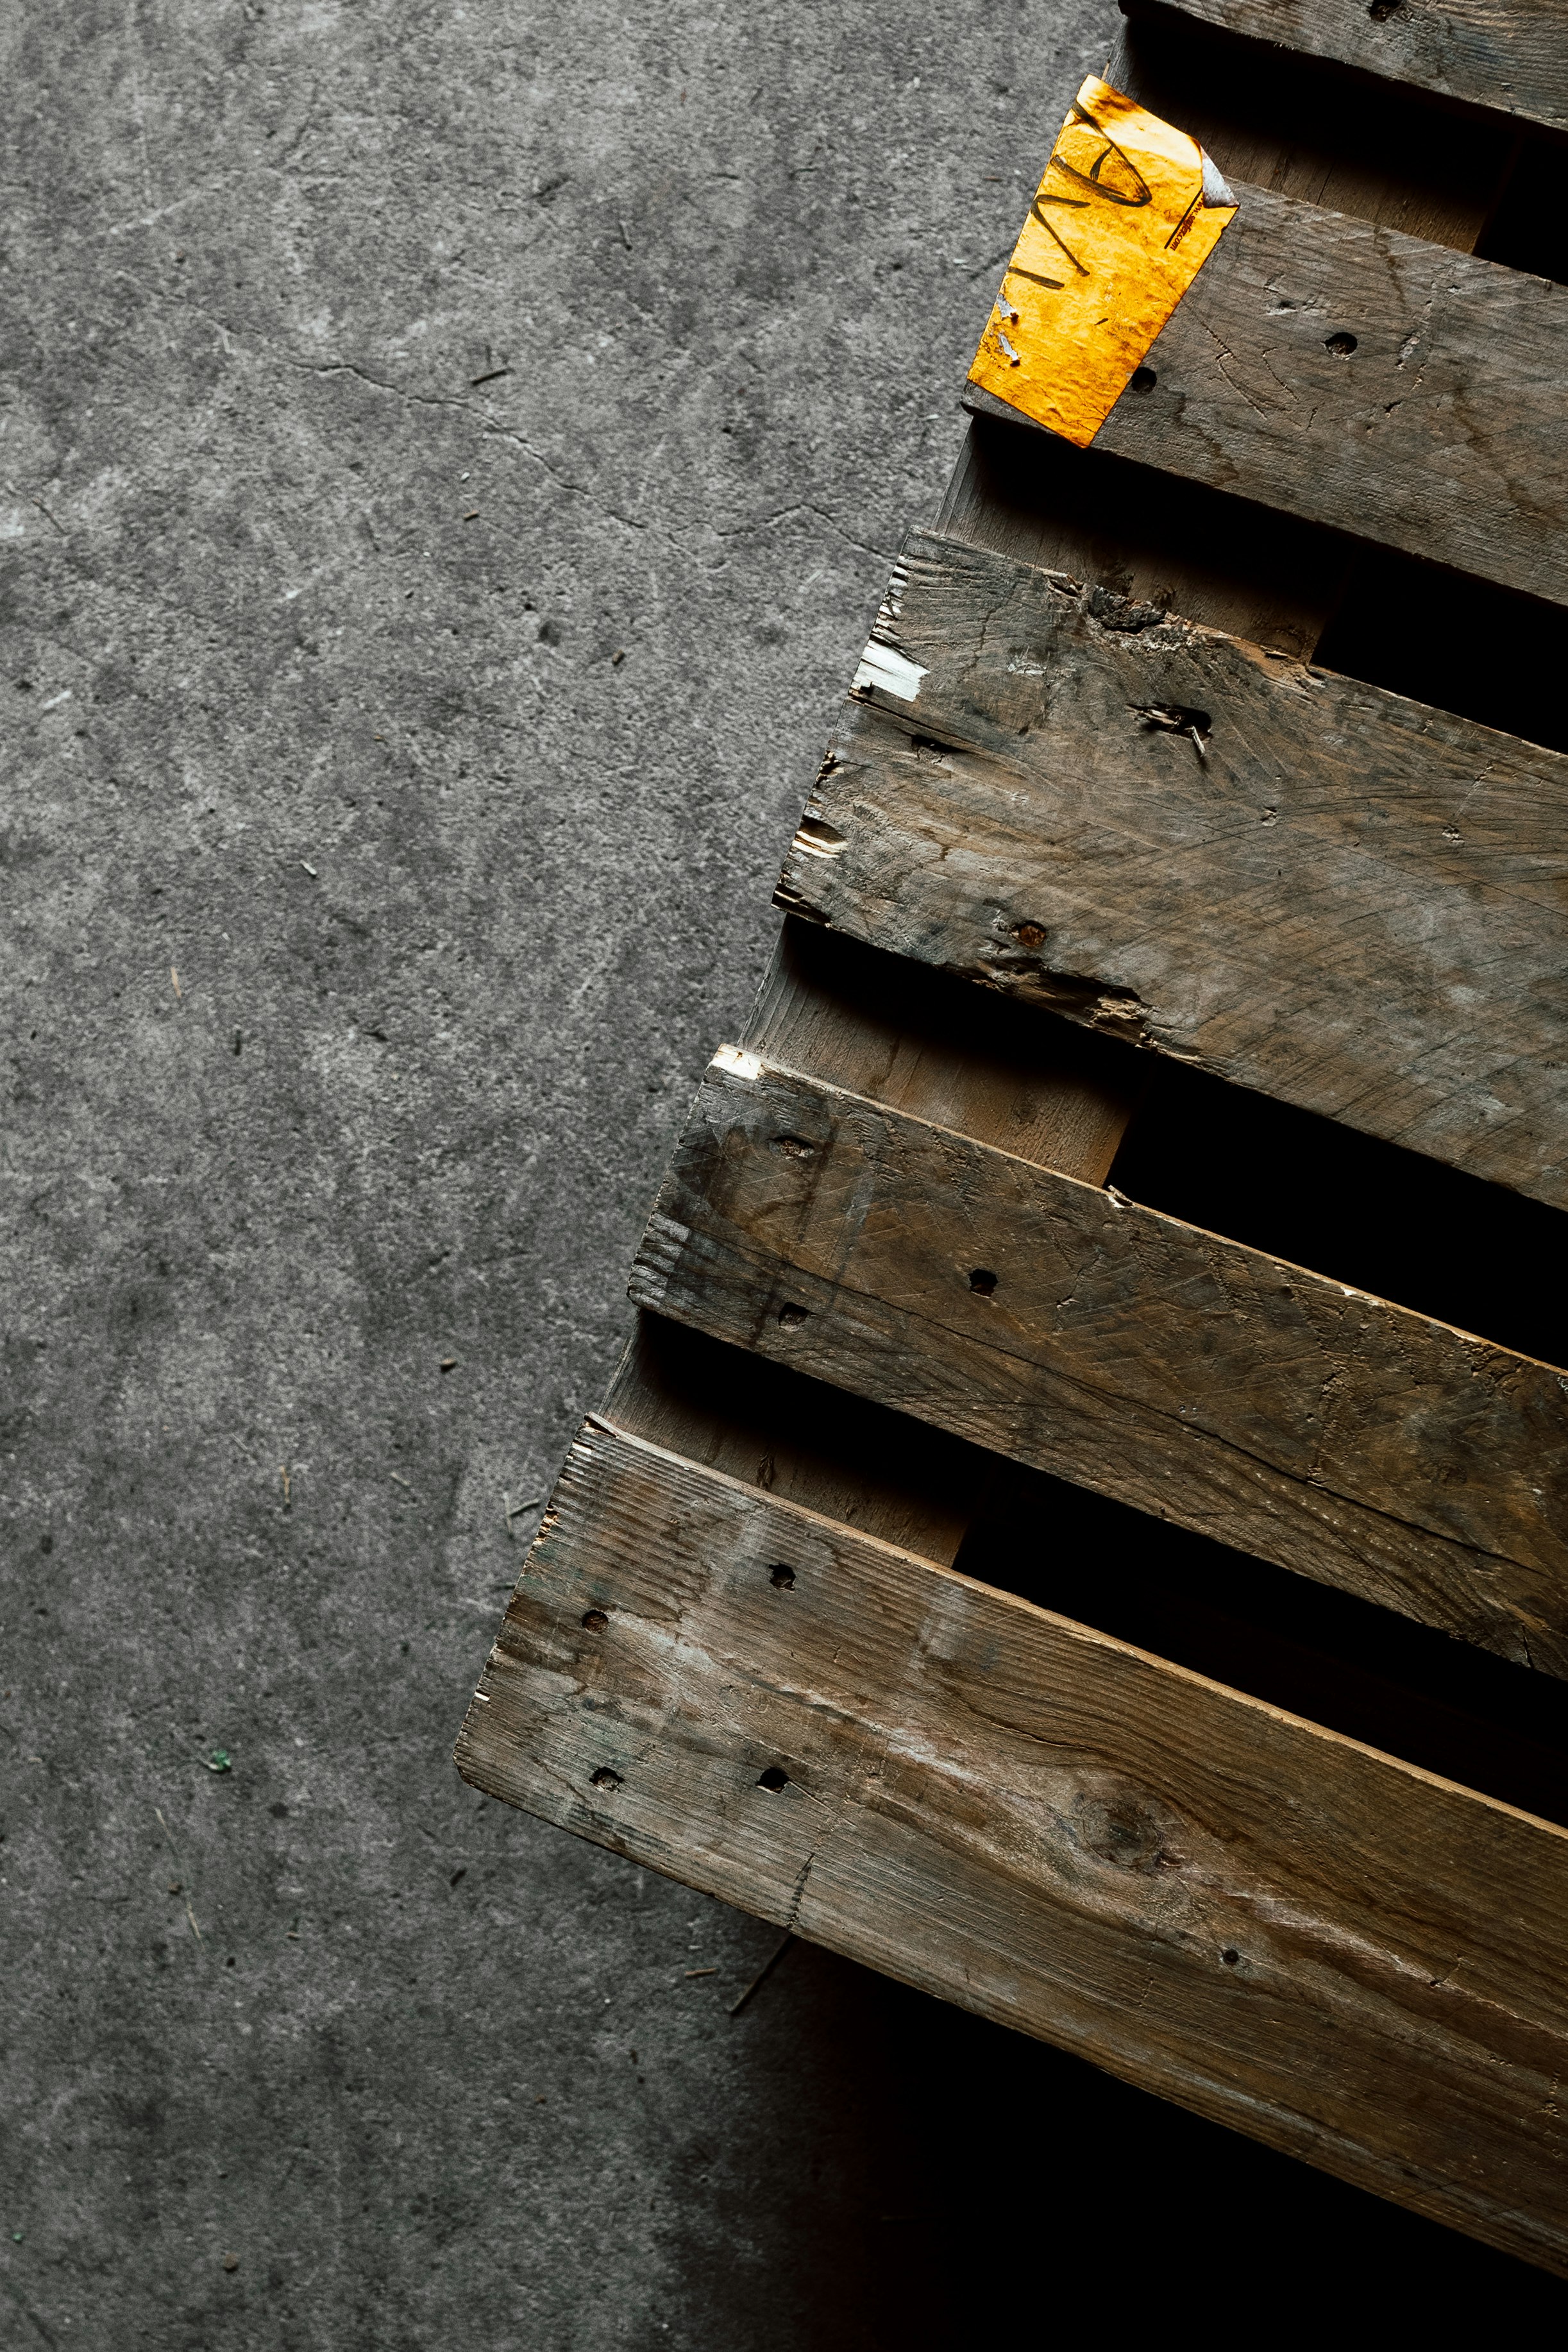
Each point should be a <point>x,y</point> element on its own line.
<point>1509,54</point>
<point>1332,894</point>
<point>731,1410</point>
<point>1061,1324</point>
<point>1304,127</point>
<point>874,1025</point>
<point>1227,563</point>
<point>1343,1956</point>
<point>1439,432</point>
<point>909,1037</point>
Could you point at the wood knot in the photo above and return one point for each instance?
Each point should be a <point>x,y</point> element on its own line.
<point>1126,1831</point>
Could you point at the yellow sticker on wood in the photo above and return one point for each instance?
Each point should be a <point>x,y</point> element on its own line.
<point>1127,213</point>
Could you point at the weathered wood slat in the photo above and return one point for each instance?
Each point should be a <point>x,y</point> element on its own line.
<point>1334,1952</point>
<point>1226,564</point>
<point>1510,55</point>
<point>1329,894</point>
<point>1440,432</point>
<point>1058,1323</point>
<point>871,1024</point>
<point>1347,142</point>
<point>909,1037</point>
<point>731,1410</point>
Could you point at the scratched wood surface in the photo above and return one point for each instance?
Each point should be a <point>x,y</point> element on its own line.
<point>1338,1954</point>
<point>1298,882</point>
<point>1057,1323</point>
<point>1368,380</point>
<point>1510,55</point>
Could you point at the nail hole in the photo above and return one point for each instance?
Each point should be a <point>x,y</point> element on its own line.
<point>794,1147</point>
<point>982,1280</point>
<point>792,1318</point>
<point>605,1779</point>
<point>1381,10</point>
<point>1144,378</point>
<point>782,1579</point>
<point>1231,1956</point>
<point>595,1621</point>
<point>1029,935</point>
<point>1173,717</point>
<point>775,1776</point>
<point>1340,345</point>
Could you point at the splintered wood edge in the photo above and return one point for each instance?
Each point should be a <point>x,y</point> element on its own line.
<point>631,1644</point>
<point>1166,966</point>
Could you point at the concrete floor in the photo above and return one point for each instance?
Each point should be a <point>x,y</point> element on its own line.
<point>450,458</point>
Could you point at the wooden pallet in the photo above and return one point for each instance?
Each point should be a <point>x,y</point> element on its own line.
<point>1099,1333</point>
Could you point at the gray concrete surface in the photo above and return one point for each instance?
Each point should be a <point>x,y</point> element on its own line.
<point>450,457</point>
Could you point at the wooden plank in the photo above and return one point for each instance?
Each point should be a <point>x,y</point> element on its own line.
<point>1327,893</point>
<point>1046,1320</point>
<point>1320,1654</point>
<point>1306,128</point>
<point>1336,1953</point>
<point>1508,54</point>
<point>1216,558</point>
<point>765,1424</point>
<point>921,1041</point>
<point>864,1023</point>
<point>1366,380</point>
<point>1227,563</point>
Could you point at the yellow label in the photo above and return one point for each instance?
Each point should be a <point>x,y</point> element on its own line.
<point>1127,213</point>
